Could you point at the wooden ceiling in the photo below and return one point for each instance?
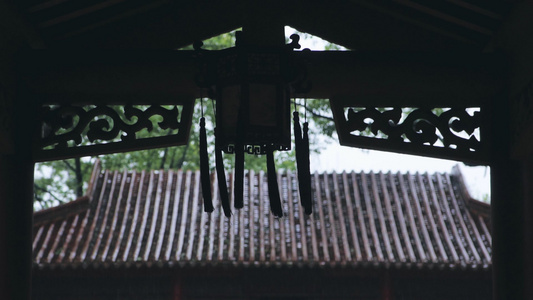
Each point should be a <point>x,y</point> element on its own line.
<point>355,24</point>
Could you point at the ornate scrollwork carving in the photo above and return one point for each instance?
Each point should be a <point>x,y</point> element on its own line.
<point>453,127</point>
<point>440,132</point>
<point>69,130</point>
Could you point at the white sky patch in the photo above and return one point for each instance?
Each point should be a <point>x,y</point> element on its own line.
<point>310,41</point>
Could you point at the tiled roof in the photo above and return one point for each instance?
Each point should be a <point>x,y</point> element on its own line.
<point>155,218</point>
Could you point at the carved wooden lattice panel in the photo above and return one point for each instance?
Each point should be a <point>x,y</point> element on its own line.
<point>452,133</point>
<point>80,130</point>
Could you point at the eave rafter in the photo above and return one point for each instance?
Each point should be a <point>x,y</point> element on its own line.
<point>377,79</point>
<point>125,24</point>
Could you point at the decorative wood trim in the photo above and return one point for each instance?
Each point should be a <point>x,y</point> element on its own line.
<point>450,133</point>
<point>72,131</point>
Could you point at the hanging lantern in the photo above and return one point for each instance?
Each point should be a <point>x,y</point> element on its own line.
<point>252,88</point>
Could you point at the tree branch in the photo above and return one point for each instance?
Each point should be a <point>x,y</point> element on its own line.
<point>314,114</point>
<point>184,154</point>
<point>36,186</point>
<point>79,177</point>
<point>163,159</point>
<point>73,169</point>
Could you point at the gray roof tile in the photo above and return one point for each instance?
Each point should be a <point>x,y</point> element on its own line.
<point>360,219</point>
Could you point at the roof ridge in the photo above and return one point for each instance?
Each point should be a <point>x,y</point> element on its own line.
<point>61,211</point>
<point>97,168</point>
<point>474,205</point>
<point>279,171</point>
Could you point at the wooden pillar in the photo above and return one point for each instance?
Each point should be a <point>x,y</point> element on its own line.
<point>177,293</point>
<point>507,205</point>
<point>507,230</point>
<point>528,184</point>
<point>16,162</point>
<point>16,196</point>
<point>386,286</point>
<point>16,211</point>
<point>512,177</point>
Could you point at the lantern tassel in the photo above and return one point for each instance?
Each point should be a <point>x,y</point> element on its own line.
<point>204,169</point>
<point>221,177</point>
<point>238,192</point>
<point>238,180</point>
<point>273,190</point>
<point>302,164</point>
<point>299,147</point>
<point>305,183</point>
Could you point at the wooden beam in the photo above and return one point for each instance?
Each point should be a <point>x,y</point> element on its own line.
<point>356,24</point>
<point>376,78</point>
<point>111,77</point>
<point>159,24</point>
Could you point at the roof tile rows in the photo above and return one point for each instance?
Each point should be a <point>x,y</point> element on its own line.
<point>375,219</point>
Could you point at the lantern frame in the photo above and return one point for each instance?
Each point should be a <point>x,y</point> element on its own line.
<point>252,88</point>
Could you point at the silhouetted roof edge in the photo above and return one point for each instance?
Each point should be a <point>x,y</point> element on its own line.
<point>475,206</point>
